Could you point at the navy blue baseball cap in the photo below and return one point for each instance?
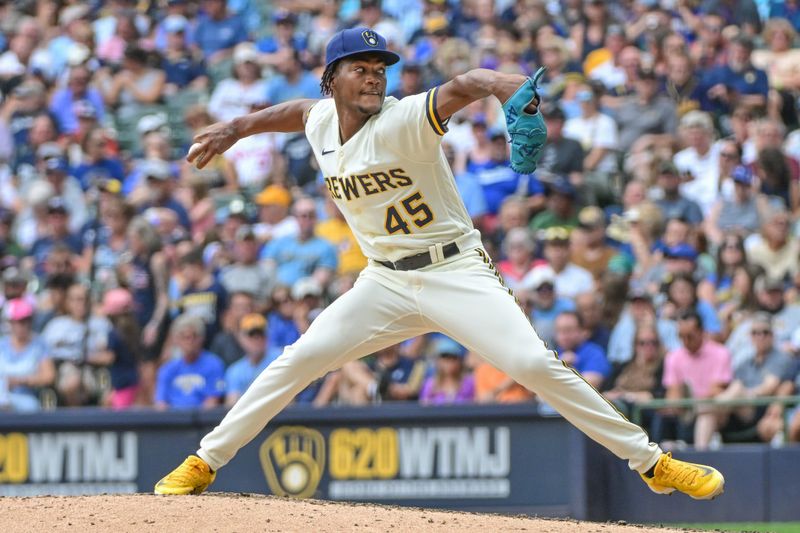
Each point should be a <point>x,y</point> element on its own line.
<point>358,41</point>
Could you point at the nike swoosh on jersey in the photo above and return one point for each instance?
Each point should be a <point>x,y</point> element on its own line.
<point>326,152</point>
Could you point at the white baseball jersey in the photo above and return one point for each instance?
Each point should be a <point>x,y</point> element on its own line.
<point>391,180</point>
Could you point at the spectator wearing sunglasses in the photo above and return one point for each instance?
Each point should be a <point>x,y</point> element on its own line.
<point>640,379</point>
<point>755,377</point>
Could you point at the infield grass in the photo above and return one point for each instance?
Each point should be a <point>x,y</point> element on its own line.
<point>770,527</point>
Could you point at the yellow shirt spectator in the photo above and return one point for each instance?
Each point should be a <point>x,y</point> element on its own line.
<point>336,231</point>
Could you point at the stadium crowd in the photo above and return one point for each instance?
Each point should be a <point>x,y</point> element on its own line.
<point>656,247</point>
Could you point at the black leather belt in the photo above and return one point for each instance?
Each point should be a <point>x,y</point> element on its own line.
<point>416,261</point>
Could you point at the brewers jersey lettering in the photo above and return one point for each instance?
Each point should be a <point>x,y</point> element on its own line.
<point>391,180</point>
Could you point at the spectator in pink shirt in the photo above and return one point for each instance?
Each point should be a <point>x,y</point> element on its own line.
<point>699,369</point>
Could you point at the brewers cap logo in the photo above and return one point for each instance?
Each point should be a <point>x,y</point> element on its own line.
<point>370,37</point>
<point>293,460</point>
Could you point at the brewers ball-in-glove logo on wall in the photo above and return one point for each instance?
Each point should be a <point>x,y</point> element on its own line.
<point>293,459</point>
<point>370,37</point>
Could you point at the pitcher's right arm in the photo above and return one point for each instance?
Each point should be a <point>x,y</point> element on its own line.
<point>286,117</point>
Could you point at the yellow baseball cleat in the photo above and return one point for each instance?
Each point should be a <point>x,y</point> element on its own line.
<point>193,476</point>
<point>698,481</point>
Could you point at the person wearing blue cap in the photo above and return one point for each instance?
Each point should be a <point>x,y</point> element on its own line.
<point>496,177</point>
<point>741,214</point>
<point>384,166</point>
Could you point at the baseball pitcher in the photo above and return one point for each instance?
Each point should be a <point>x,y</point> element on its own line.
<point>384,167</point>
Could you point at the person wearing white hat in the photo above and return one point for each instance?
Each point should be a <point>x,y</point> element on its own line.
<point>232,96</point>
<point>539,295</point>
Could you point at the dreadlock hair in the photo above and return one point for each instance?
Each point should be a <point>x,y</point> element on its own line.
<point>327,78</point>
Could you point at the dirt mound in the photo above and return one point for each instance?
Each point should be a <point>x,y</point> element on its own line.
<point>248,512</point>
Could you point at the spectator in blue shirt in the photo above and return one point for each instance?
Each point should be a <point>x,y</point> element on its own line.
<point>62,104</point>
<point>737,82</point>
<point>639,311</point>
<point>252,337</point>
<point>195,379</point>
<point>497,178</point>
<point>24,360</point>
<point>292,80</point>
<point>217,32</point>
<point>58,234</point>
<point>786,10</point>
<point>538,290</point>
<point>468,187</point>
<point>183,67</point>
<point>304,255</point>
<point>282,329</point>
<point>96,166</point>
<point>284,36</point>
<point>160,183</point>
<point>589,306</point>
<point>586,357</point>
<point>175,9</point>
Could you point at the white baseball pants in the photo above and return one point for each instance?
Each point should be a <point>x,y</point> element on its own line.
<point>462,297</point>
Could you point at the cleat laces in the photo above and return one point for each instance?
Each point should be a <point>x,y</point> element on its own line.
<point>185,476</point>
<point>684,475</point>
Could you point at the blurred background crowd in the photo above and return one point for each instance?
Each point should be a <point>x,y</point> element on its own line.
<point>656,248</point>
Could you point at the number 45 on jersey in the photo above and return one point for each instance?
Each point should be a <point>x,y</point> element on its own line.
<point>414,209</point>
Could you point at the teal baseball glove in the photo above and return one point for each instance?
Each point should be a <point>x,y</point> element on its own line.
<point>528,132</point>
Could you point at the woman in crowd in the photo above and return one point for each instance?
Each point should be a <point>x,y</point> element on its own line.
<point>518,249</point>
<point>232,96</point>
<point>123,349</point>
<point>136,84</point>
<point>106,241</point>
<point>24,363</point>
<point>741,303</point>
<point>717,288</point>
<point>112,50</point>
<point>590,33</point>
<point>775,178</point>
<point>452,383</point>
<point>681,293</point>
<point>144,273</point>
<point>639,380</point>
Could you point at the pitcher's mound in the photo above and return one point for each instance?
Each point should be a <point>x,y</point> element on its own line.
<point>248,512</point>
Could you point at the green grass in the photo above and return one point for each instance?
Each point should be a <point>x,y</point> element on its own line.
<point>770,527</point>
